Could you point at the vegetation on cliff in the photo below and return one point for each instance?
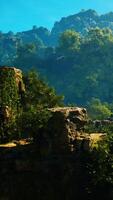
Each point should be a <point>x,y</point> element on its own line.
<point>24,112</point>
<point>38,98</point>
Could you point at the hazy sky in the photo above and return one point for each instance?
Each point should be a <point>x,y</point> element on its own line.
<point>17,15</point>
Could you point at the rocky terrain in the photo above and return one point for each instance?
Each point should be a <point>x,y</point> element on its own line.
<point>56,163</point>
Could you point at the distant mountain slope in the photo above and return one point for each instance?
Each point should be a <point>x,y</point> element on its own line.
<point>82,22</point>
<point>10,42</point>
<point>35,34</point>
<point>80,67</point>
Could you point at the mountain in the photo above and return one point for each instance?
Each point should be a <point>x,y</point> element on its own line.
<point>82,22</point>
<point>35,34</point>
<point>80,66</point>
<point>10,42</point>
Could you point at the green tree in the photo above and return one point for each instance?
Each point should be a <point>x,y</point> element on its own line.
<point>39,93</point>
<point>98,110</point>
<point>25,56</point>
<point>38,98</point>
<point>99,37</point>
<point>69,41</point>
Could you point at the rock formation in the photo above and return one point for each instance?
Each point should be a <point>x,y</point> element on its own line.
<point>64,132</point>
<point>16,75</point>
<point>11,93</point>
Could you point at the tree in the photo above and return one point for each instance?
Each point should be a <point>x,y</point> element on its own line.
<point>98,110</point>
<point>39,93</point>
<point>25,55</point>
<point>69,41</point>
<point>38,98</point>
<point>99,36</point>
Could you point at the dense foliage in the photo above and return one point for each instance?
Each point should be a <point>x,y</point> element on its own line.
<point>39,97</point>
<point>98,167</point>
<point>86,71</point>
<point>9,103</point>
<point>79,65</point>
<point>99,110</point>
<point>21,115</point>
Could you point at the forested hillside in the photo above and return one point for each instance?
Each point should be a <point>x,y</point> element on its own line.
<point>79,66</point>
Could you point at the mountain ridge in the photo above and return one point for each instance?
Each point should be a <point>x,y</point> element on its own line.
<point>80,69</point>
<point>80,22</point>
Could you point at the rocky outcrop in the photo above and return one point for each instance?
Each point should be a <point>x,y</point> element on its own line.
<point>65,130</point>
<point>27,174</point>
<point>16,75</point>
<point>24,174</point>
<point>11,93</point>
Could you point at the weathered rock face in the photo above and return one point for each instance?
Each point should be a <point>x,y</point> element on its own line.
<point>65,129</point>
<point>5,114</point>
<point>16,74</point>
<point>11,93</point>
<point>11,84</point>
<point>65,132</point>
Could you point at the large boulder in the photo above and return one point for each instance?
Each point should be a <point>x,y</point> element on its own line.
<point>64,129</point>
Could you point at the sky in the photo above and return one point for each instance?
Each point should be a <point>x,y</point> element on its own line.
<point>20,15</point>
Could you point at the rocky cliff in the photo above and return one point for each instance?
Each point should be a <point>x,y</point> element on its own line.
<point>11,94</point>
